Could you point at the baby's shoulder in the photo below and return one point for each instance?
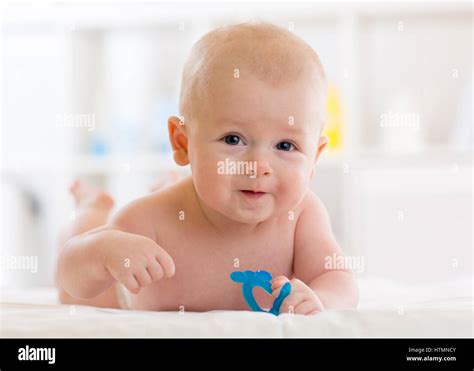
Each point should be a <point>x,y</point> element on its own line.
<point>142,214</point>
<point>312,213</point>
<point>310,204</point>
<point>313,217</point>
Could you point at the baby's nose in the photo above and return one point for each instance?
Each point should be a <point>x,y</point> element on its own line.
<point>263,168</point>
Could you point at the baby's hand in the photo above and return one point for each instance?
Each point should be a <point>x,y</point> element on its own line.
<point>136,261</point>
<point>302,299</point>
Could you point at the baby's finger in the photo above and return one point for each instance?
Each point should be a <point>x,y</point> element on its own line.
<point>290,303</point>
<point>306,307</point>
<point>143,277</point>
<point>278,282</point>
<point>131,284</point>
<point>166,262</point>
<point>155,270</point>
<point>298,285</point>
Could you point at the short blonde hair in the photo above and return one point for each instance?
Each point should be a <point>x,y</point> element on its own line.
<point>270,53</point>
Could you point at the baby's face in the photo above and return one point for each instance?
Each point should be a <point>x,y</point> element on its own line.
<point>250,123</point>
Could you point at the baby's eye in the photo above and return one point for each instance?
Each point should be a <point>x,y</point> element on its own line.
<point>233,140</point>
<point>285,146</point>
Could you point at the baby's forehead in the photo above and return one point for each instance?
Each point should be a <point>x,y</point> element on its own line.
<point>261,118</point>
<point>256,103</point>
<point>249,124</point>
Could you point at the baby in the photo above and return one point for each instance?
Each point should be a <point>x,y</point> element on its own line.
<point>252,94</point>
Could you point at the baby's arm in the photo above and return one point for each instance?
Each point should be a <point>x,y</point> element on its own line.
<point>123,250</point>
<point>322,288</point>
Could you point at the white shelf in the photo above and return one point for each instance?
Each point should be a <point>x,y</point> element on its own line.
<point>347,21</point>
<point>155,14</point>
<point>92,165</point>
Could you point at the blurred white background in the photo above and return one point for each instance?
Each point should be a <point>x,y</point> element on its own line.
<point>87,89</point>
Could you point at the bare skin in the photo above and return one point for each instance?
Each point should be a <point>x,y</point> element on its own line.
<point>175,248</point>
<point>205,256</point>
<point>188,253</point>
<point>92,210</point>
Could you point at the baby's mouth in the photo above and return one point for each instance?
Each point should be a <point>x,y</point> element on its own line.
<point>252,194</point>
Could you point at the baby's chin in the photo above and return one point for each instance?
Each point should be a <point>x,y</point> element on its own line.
<point>245,215</point>
<point>248,217</point>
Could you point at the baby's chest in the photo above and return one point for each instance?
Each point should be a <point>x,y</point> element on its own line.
<point>203,267</point>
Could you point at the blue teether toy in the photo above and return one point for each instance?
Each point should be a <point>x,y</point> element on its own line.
<point>250,279</point>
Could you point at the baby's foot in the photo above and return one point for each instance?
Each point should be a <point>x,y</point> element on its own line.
<point>169,178</point>
<point>88,196</point>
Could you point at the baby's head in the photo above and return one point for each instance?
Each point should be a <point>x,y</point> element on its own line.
<point>252,108</point>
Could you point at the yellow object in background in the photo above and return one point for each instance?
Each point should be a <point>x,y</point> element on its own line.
<point>334,125</point>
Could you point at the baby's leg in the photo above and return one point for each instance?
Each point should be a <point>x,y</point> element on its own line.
<point>92,210</point>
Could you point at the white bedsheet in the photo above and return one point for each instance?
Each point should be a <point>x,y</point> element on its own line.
<point>386,310</point>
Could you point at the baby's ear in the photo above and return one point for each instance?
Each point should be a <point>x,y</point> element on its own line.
<point>323,141</point>
<point>178,140</point>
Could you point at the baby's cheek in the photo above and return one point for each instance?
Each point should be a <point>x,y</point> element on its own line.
<point>293,185</point>
<point>210,184</point>
<point>203,171</point>
<point>204,164</point>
